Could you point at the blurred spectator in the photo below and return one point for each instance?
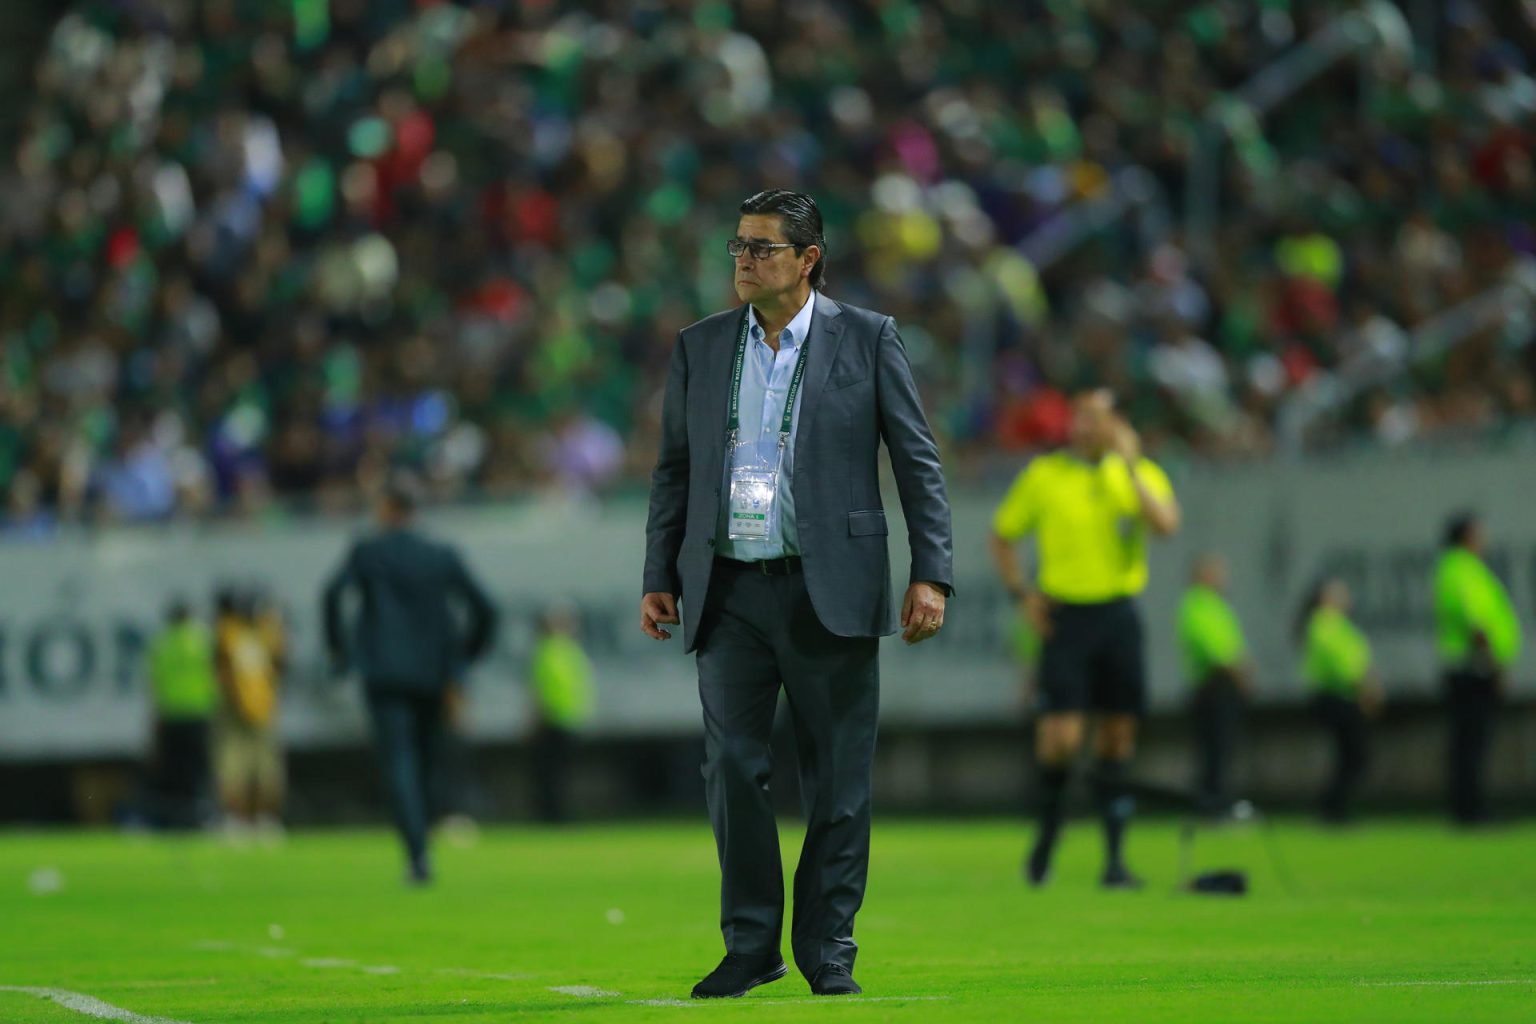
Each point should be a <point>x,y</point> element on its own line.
<point>460,238</point>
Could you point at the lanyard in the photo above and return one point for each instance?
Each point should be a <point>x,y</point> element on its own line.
<point>734,426</point>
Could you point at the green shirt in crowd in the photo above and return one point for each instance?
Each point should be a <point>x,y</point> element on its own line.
<point>1469,599</point>
<point>1210,637</point>
<point>1337,654</point>
<point>181,671</point>
<point>562,680</point>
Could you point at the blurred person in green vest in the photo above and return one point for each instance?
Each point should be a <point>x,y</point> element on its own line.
<point>1478,639</point>
<point>1336,666</point>
<point>560,674</point>
<point>1218,667</point>
<point>185,692</point>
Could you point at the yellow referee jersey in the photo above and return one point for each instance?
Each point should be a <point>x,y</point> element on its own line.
<point>1087,522</point>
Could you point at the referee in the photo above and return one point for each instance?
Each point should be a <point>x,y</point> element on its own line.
<point>1478,639</point>
<point>1090,508</point>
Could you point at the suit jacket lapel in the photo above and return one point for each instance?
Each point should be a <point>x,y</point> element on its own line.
<point>826,335</point>
<point>714,399</point>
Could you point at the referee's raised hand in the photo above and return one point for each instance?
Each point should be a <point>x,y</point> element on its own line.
<point>1125,442</point>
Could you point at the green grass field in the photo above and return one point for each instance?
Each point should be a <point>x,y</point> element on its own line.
<point>1394,922</point>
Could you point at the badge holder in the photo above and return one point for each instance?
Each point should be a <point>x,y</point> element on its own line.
<point>754,500</point>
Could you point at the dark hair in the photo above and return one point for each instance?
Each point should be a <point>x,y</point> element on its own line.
<point>226,600</point>
<point>403,492</point>
<point>802,223</point>
<point>1458,530</point>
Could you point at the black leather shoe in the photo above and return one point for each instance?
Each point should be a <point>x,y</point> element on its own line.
<point>834,980</point>
<point>1116,876</point>
<point>1037,866</point>
<point>739,974</point>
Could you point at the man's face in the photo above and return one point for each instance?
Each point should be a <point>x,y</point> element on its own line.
<point>1093,422</point>
<point>780,271</point>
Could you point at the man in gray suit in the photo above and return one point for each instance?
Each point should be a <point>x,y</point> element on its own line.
<point>766,541</point>
<point>422,619</point>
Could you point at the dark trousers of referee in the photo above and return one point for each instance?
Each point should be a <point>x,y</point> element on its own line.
<point>757,631</point>
<point>1471,698</point>
<point>1217,707</point>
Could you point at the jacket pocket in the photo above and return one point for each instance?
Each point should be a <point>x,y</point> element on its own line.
<point>846,380</point>
<point>868,523</point>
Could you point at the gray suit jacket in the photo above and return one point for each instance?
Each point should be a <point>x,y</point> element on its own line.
<point>857,391</point>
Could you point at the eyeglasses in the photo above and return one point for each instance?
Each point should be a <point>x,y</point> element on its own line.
<point>759,250</point>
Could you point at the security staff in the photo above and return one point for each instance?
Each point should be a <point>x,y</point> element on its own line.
<point>1220,672</point>
<point>1090,508</point>
<point>182,682</point>
<point>409,649</point>
<point>766,520</point>
<point>561,676</point>
<point>1478,639</point>
<point>1345,692</point>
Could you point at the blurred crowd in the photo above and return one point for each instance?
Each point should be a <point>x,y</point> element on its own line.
<point>255,254</point>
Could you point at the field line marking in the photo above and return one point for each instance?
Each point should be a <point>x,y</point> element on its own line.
<point>818,1000</point>
<point>464,972</point>
<point>88,1005</point>
<point>792,1002</point>
<point>584,991</point>
<point>276,952</point>
<point>1453,983</point>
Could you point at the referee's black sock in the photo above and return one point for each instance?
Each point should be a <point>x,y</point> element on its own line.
<point>1053,790</point>
<point>1116,804</point>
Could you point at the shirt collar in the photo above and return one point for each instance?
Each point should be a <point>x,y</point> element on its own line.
<point>798,328</point>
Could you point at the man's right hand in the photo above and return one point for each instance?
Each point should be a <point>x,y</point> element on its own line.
<point>656,610</point>
<point>1038,611</point>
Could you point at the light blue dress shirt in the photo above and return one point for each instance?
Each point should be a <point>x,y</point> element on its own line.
<point>765,377</point>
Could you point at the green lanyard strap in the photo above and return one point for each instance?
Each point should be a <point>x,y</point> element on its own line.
<point>734,426</point>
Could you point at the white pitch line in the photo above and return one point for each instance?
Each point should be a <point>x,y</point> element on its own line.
<point>324,962</point>
<point>1458,984</point>
<point>825,1000</point>
<point>88,1005</point>
<point>584,991</point>
<point>463,972</point>
<point>381,969</point>
<point>803,1001</point>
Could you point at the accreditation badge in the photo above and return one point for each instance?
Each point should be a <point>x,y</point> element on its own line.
<point>754,495</point>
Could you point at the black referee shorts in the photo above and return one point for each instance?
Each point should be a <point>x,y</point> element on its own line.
<point>1094,660</point>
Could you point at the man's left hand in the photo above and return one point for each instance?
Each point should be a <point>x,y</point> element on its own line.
<point>922,613</point>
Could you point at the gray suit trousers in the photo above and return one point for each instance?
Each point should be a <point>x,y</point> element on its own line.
<point>760,632</point>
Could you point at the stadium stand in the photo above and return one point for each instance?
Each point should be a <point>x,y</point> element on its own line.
<point>249,262</point>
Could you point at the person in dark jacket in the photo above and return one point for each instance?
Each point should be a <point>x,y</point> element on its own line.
<point>421,620</point>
